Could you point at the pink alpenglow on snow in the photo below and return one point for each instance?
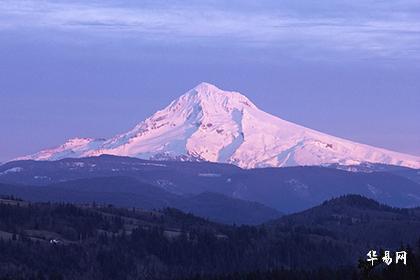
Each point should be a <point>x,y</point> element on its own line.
<point>211,124</point>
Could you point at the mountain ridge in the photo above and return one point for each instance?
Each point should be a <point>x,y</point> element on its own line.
<point>209,124</point>
<point>287,189</point>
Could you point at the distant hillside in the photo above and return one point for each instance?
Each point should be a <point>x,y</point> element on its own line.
<point>409,173</point>
<point>287,190</point>
<point>130,192</point>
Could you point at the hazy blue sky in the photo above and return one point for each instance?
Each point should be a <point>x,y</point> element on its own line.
<point>96,68</point>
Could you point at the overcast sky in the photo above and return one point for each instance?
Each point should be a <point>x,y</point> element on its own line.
<point>96,68</point>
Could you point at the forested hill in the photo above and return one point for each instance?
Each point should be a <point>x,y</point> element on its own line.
<point>358,220</point>
<point>66,241</point>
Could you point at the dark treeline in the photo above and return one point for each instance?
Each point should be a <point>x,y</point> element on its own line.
<point>64,241</point>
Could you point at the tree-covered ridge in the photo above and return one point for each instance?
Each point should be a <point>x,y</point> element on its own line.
<point>66,241</point>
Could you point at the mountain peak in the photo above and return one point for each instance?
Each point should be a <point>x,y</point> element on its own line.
<point>212,98</point>
<point>207,87</point>
<point>208,123</point>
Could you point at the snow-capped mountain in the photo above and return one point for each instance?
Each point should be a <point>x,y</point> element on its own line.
<point>207,123</point>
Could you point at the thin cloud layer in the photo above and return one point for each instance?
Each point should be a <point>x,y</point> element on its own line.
<point>365,27</point>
